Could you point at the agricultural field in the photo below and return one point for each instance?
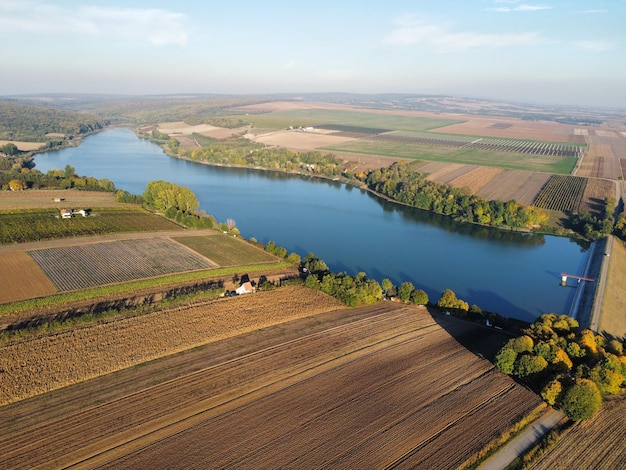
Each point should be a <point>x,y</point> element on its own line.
<point>53,361</point>
<point>612,321</point>
<point>82,266</point>
<point>562,193</point>
<point>463,155</point>
<point>512,128</point>
<point>597,443</point>
<point>21,278</point>
<point>44,224</point>
<point>56,199</point>
<point>226,251</point>
<point>381,385</point>
<point>24,146</point>
<point>600,161</point>
<point>531,147</point>
<point>596,191</point>
<point>359,119</point>
<point>476,178</point>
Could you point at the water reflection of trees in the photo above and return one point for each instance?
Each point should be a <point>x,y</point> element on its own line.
<point>450,225</point>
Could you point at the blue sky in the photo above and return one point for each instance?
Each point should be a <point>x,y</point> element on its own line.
<point>553,51</point>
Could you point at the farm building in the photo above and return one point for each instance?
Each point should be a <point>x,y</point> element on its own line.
<point>69,213</point>
<point>245,288</point>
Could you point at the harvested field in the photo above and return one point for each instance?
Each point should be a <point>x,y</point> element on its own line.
<point>299,140</point>
<point>376,386</point>
<point>612,316</point>
<point>224,250</point>
<point>601,160</point>
<point>25,280</point>
<point>596,191</point>
<point>83,266</point>
<point>46,363</point>
<point>475,179</point>
<point>184,130</point>
<point>521,186</point>
<point>432,167</point>
<point>596,443</point>
<point>449,172</point>
<point>44,198</point>
<point>515,129</point>
<point>24,146</point>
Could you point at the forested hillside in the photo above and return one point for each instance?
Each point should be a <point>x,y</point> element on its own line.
<point>20,122</point>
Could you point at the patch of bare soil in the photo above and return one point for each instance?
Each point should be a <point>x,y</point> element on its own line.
<point>383,385</point>
<point>56,198</point>
<point>46,363</point>
<point>596,443</point>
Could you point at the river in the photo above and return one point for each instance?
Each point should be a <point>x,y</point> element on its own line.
<point>516,275</point>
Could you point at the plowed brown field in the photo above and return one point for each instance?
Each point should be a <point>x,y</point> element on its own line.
<point>45,198</point>
<point>24,279</point>
<point>384,385</point>
<point>522,186</point>
<point>597,443</point>
<point>477,178</point>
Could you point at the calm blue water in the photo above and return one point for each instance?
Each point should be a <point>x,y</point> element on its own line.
<point>513,274</point>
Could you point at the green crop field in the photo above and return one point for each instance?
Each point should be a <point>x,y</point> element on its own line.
<point>467,156</point>
<point>34,225</point>
<point>313,117</point>
<point>225,250</point>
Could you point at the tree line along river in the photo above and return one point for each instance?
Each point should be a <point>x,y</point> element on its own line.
<point>514,274</point>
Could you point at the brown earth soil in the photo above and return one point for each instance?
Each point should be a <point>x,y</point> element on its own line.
<point>24,146</point>
<point>41,364</point>
<point>596,443</point>
<point>596,191</point>
<point>376,386</point>
<point>22,278</point>
<point>45,198</point>
<point>475,179</point>
<point>612,320</point>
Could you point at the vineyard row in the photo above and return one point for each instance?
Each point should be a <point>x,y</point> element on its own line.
<point>82,266</point>
<point>561,193</point>
<point>498,145</point>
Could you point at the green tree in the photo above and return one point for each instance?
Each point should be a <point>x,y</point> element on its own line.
<point>528,366</point>
<point>404,291</point>
<point>387,285</point>
<point>448,299</point>
<point>552,391</point>
<point>582,400</point>
<point>69,171</point>
<point>522,344</point>
<point>9,149</point>
<point>505,360</point>
<point>17,185</point>
<point>419,297</point>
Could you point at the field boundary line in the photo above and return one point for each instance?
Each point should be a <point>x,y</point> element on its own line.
<point>174,423</point>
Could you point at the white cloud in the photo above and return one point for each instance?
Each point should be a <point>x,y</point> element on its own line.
<point>411,30</point>
<point>595,46</point>
<point>522,7</point>
<point>156,26</point>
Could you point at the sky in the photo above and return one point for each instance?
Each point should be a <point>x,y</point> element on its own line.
<point>570,52</point>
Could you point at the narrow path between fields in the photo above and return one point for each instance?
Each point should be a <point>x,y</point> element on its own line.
<point>524,441</point>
